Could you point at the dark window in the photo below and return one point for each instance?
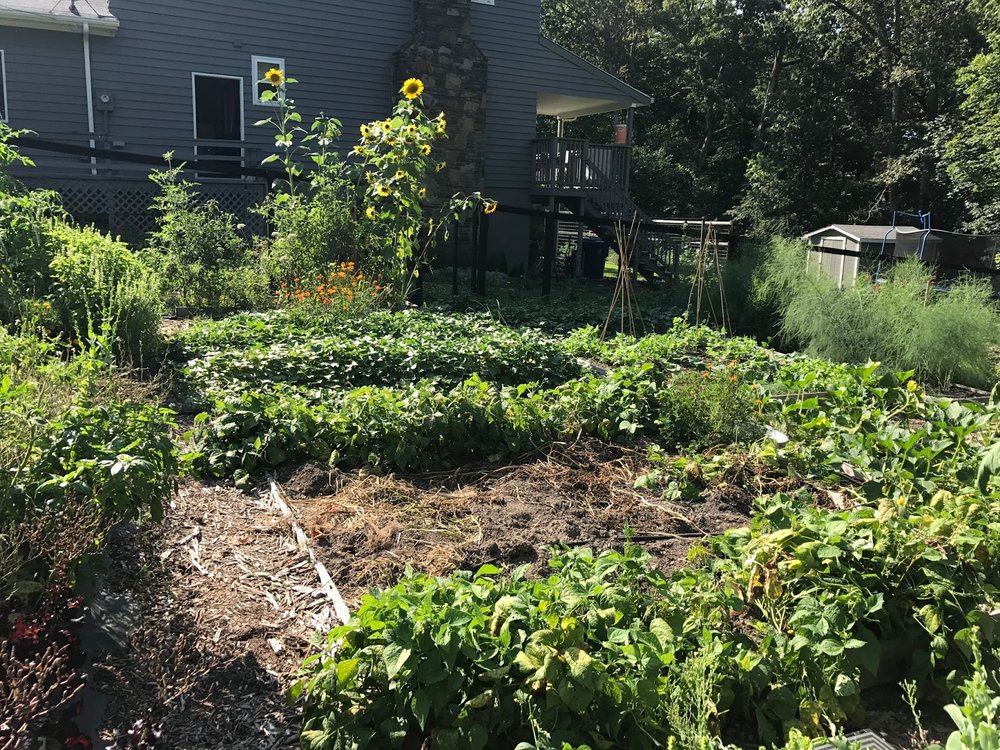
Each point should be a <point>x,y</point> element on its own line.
<point>218,116</point>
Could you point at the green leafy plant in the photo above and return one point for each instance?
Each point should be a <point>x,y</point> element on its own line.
<point>197,249</point>
<point>370,210</point>
<point>100,284</point>
<point>977,718</point>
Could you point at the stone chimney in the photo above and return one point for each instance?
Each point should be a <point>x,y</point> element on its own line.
<point>444,56</point>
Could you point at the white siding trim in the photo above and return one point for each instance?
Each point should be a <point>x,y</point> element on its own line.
<point>255,61</point>
<point>5,115</point>
<point>194,104</point>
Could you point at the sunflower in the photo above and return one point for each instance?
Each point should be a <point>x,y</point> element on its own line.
<point>426,149</point>
<point>366,131</point>
<point>383,190</point>
<point>400,175</point>
<point>370,212</point>
<point>413,88</point>
<point>422,193</point>
<point>490,207</point>
<point>440,166</point>
<point>441,127</point>
<point>275,77</point>
<point>359,151</point>
<point>411,129</point>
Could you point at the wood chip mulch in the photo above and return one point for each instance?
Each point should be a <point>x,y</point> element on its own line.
<point>225,607</point>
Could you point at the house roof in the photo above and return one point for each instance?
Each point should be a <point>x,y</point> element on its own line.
<point>604,92</point>
<point>865,232</point>
<point>59,15</point>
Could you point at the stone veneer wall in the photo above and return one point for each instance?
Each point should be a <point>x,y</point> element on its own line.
<point>454,70</point>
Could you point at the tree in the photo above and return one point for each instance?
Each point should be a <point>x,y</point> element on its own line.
<point>973,152</point>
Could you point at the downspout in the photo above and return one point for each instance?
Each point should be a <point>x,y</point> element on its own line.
<point>90,95</point>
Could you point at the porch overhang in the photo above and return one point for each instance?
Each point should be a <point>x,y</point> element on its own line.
<point>588,89</point>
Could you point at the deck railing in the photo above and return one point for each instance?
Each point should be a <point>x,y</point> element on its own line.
<point>573,164</point>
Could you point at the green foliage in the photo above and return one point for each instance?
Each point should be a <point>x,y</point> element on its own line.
<point>973,151</point>
<point>710,407</point>
<point>783,617</point>
<point>978,716</point>
<point>68,434</point>
<point>99,284</point>
<point>790,115</point>
<point>25,246</point>
<point>197,249</point>
<point>383,349</point>
<point>371,210</point>
<point>903,322</point>
<point>476,661</point>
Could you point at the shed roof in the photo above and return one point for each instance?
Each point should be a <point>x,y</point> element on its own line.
<point>65,15</point>
<point>865,232</point>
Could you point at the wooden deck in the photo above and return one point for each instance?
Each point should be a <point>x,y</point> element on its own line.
<point>573,166</point>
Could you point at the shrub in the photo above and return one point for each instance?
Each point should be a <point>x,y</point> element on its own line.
<point>25,246</point>
<point>710,407</point>
<point>101,285</point>
<point>203,261</point>
<point>903,322</point>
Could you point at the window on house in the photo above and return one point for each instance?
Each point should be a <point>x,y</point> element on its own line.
<point>259,69</point>
<point>3,87</point>
<point>484,2</point>
<point>218,116</point>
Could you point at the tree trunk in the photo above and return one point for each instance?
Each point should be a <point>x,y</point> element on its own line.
<point>927,163</point>
<point>897,95</point>
<point>769,97</point>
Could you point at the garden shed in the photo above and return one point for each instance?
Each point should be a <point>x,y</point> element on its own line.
<point>842,249</point>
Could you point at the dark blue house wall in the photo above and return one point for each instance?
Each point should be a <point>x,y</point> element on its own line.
<point>341,51</point>
<point>45,85</point>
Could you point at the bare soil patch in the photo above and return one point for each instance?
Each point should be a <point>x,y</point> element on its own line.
<point>221,608</point>
<point>368,529</point>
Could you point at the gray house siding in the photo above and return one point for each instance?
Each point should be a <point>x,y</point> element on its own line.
<point>341,53</point>
<point>45,85</point>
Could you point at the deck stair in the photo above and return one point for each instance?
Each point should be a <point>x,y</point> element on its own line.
<point>599,175</point>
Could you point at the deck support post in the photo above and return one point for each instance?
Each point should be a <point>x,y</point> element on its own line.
<point>454,258</point>
<point>482,251</point>
<point>551,238</point>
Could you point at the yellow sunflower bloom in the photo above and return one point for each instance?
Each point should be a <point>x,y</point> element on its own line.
<point>490,207</point>
<point>441,127</point>
<point>275,77</point>
<point>370,212</point>
<point>426,149</point>
<point>440,166</point>
<point>366,132</point>
<point>359,151</point>
<point>411,129</point>
<point>383,190</point>
<point>400,175</point>
<point>413,88</point>
<point>422,193</point>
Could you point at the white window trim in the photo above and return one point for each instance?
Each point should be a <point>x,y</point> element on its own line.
<point>485,2</point>
<point>255,62</point>
<point>5,115</point>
